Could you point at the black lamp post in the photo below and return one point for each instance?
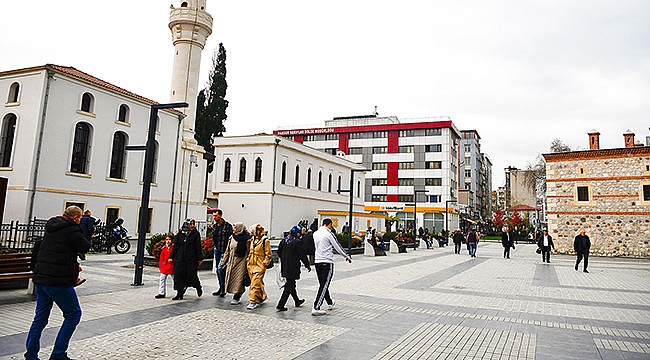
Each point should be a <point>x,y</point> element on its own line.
<point>143,220</point>
<point>351,191</point>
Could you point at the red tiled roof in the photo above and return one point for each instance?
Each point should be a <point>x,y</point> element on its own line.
<point>522,207</point>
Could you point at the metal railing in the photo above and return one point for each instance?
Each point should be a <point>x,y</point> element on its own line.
<point>21,237</point>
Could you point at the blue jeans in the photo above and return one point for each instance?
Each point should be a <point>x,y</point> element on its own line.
<point>472,249</point>
<point>221,274</point>
<point>66,299</point>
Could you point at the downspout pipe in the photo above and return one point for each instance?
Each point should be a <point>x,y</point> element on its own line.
<point>275,153</point>
<point>39,147</point>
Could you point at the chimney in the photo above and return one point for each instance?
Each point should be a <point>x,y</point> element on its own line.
<point>629,138</point>
<point>594,139</point>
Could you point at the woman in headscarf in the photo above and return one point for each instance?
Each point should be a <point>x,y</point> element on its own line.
<point>234,261</point>
<point>259,257</point>
<point>291,253</point>
<point>188,255</point>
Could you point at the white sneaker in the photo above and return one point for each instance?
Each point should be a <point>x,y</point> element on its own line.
<point>235,302</point>
<point>331,306</point>
<point>251,306</point>
<point>315,312</point>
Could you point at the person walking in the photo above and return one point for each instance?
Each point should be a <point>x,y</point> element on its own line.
<point>345,229</point>
<point>234,261</point>
<point>187,255</point>
<point>87,225</point>
<point>324,240</point>
<point>259,257</point>
<point>221,232</point>
<point>166,267</point>
<point>307,240</point>
<point>581,246</point>
<point>55,271</point>
<point>507,241</point>
<point>458,239</point>
<point>545,243</point>
<point>291,253</point>
<point>472,242</point>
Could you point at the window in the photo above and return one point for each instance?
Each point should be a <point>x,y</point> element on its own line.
<point>354,151</point>
<point>358,189</point>
<point>226,170</point>
<point>405,149</point>
<point>309,178</point>
<point>80,205</point>
<point>405,165</point>
<point>433,182</point>
<point>87,103</point>
<point>321,137</point>
<point>112,214</point>
<point>434,198</point>
<point>296,180</point>
<point>380,150</point>
<point>118,156</point>
<point>379,182</point>
<point>379,134</point>
<point>378,198</point>
<point>646,192</point>
<point>468,173</point>
<point>357,135</point>
<point>433,148</point>
<point>405,198</point>
<point>331,151</point>
<point>123,114</point>
<point>583,193</point>
<point>468,148</point>
<point>433,165</point>
<point>338,186</point>
<point>14,90</point>
<point>320,180</point>
<point>242,170</point>
<point>406,133</point>
<point>283,180</point>
<point>433,132</point>
<point>405,182</point>
<point>258,170</point>
<point>379,166</point>
<point>81,149</point>
<point>329,183</point>
<point>7,144</point>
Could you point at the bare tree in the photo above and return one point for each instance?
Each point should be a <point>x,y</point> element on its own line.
<point>535,177</point>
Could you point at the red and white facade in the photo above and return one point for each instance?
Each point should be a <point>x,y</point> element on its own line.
<point>404,158</point>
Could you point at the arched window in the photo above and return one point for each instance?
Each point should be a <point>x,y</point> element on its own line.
<point>283,180</point>
<point>123,114</point>
<point>258,170</point>
<point>154,173</point>
<point>226,170</point>
<point>184,4</point>
<point>296,181</point>
<point>242,170</point>
<point>338,186</point>
<point>87,103</point>
<point>320,180</point>
<point>309,178</point>
<point>7,145</point>
<point>358,188</point>
<point>81,148</point>
<point>14,90</point>
<point>118,156</point>
<point>329,184</point>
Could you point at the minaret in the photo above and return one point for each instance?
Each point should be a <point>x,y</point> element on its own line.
<point>190,25</point>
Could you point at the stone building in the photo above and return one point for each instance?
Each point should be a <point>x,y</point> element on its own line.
<point>604,191</point>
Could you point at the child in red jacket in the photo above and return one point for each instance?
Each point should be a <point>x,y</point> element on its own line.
<point>166,267</point>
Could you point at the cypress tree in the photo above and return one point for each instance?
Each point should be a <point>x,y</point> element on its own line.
<point>211,102</point>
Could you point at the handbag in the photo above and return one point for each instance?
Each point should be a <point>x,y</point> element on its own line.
<point>539,251</point>
<point>279,279</point>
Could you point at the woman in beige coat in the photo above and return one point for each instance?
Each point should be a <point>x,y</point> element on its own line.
<point>259,257</point>
<point>234,261</point>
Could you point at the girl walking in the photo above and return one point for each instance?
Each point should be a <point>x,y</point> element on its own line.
<point>166,266</point>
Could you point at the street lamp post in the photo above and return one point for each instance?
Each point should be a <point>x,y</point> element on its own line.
<point>351,191</point>
<point>447,216</point>
<point>143,219</point>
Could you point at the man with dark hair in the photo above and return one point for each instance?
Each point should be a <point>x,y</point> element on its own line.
<point>545,244</point>
<point>55,271</point>
<point>324,241</point>
<point>314,225</point>
<point>581,246</point>
<point>221,232</point>
<point>458,239</point>
<point>472,241</point>
<point>507,241</point>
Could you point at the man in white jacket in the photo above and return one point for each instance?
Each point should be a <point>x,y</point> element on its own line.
<point>324,241</point>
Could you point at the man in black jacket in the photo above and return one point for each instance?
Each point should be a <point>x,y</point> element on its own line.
<point>507,241</point>
<point>581,246</point>
<point>55,272</point>
<point>458,239</point>
<point>545,244</point>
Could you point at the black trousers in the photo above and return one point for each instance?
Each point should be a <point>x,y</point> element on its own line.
<point>580,256</point>
<point>546,254</point>
<point>324,271</point>
<point>289,289</point>
<point>456,248</point>
<point>506,252</point>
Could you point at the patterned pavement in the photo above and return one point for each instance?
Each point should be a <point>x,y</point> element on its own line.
<point>426,304</point>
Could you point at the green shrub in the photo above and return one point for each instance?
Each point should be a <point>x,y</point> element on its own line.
<point>389,236</point>
<point>155,239</point>
<point>343,240</point>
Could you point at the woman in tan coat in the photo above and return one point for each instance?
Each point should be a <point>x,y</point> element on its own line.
<point>259,257</point>
<point>234,261</point>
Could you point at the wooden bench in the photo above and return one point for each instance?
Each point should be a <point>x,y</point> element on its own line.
<point>15,269</point>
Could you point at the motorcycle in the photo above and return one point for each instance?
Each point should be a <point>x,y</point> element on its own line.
<point>113,236</point>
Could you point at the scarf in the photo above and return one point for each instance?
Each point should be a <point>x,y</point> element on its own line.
<point>241,236</point>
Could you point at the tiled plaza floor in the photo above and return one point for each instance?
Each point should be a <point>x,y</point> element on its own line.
<point>426,304</point>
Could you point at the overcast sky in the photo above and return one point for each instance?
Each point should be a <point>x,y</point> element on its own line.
<point>521,73</point>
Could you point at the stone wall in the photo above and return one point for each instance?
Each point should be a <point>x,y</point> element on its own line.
<point>616,217</point>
